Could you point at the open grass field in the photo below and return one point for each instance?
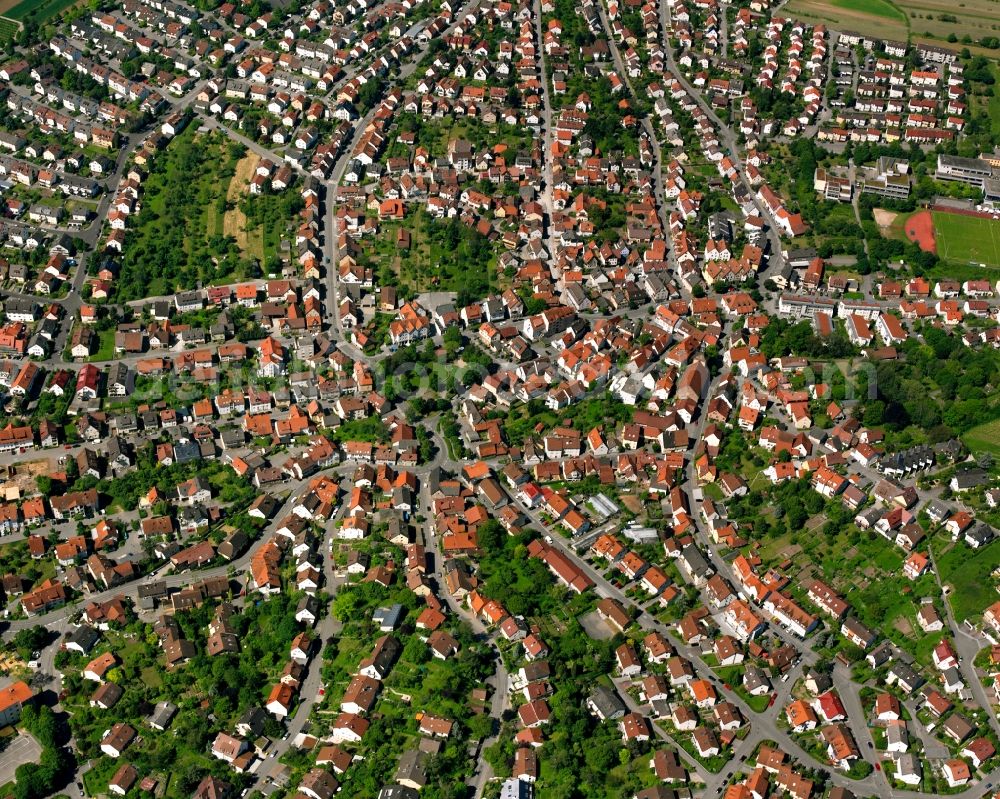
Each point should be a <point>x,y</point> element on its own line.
<point>984,438</point>
<point>977,18</point>
<point>969,577</point>
<point>105,347</point>
<point>967,239</point>
<point>890,224</point>
<point>234,223</point>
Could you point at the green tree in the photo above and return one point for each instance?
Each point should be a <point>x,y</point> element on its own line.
<point>30,639</point>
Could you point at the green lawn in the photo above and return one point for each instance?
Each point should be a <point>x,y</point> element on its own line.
<point>106,348</point>
<point>151,677</point>
<point>712,491</point>
<point>968,574</point>
<point>967,239</point>
<point>758,704</point>
<point>733,677</point>
<point>985,437</point>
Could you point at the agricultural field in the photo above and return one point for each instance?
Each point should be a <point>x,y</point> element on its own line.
<point>872,17</point>
<point>930,21</point>
<point>8,29</point>
<point>14,14</point>
<point>967,239</point>
<point>35,12</point>
<point>877,8</point>
<point>939,18</point>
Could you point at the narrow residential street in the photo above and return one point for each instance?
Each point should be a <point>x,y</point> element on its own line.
<point>639,311</point>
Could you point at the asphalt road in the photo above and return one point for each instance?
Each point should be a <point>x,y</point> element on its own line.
<point>23,749</point>
<point>763,725</point>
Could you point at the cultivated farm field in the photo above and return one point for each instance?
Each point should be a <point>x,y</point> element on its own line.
<point>37,10</point>
<point>871,17</point>
<point>915,20</point>
<point>15,13</point>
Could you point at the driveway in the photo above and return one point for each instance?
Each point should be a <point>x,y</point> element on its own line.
<point>23,749</point>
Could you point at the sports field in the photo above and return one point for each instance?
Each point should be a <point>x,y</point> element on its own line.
<point>919,227</point>
<point>967,239</point>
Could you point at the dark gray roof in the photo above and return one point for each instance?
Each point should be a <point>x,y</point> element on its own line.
<point>606,703</point>
<point>389,617</point>
<point>84,637</point>
<point>413,767</point>
<point>163,713</point>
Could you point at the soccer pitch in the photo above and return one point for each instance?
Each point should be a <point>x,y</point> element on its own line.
<point>967,239</point>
